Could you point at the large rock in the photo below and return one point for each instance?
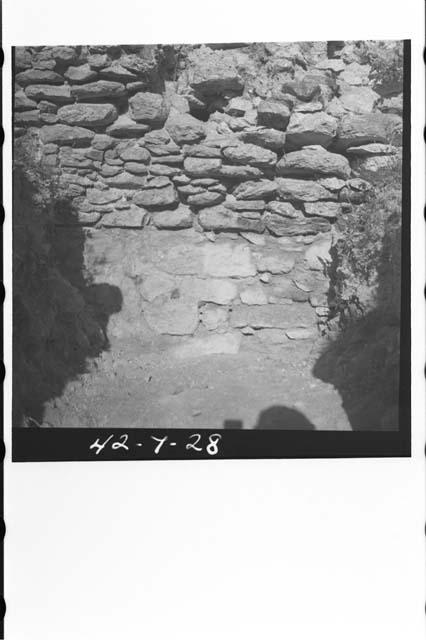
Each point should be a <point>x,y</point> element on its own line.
<point>98,89</point>
<point>272,113</point>
<point>213,72</point>
<point>132,218</point>
<point>255,190</point>
<point>80,75</point>
<point>373,149</point>
<point>239,172</point>
<point>311,128</point>
<point>280,226</point>
<point>241,205</point>
<point>268,138</point>
<point>77,158</point>
<point>149,108</point>
<point>355,130</point>
<point>355,74</point>
<point>118,73</point>
<point>323,209</point>
<point>125,127</point>
<point>358,99</point>
<point>156,198</point>
<point>90,115</point>
<point>135,153</point>
<point>172,316</point>
<point>63,134</point>
<point>220,218</point>
<point>250,154</point>
<point>225,260</point>
<point>23,103</point>
<point>100,197</point>
<point>294,190</point>
<point>38,76</point>
<point>284,209</point>
<point>313,161</point>
<point>304,88</point>
<point>125,180</point>
<point>184,128</point>
<point>202,167</point>
<point>274,260</point>
<point>274,316</point>
<point>180,218</point>
<point>205,199</point>
<point>51,92</point>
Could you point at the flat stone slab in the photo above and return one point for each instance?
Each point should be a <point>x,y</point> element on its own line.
<point>172,317</point>
<point>225,343</point>
<point>226,260</point>
<point>274,316</point>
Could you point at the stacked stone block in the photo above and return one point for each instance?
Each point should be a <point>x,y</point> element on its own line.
<point>233,213</point>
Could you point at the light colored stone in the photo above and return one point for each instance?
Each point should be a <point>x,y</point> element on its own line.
<point>299,333</point>
<point>219,344</point>
<point>358,99</point>
<point>330,210</point>
<point>98,89</point>
<point>356,130</point>
<point>253,295</point>
<point>125,180</point>
<point>132,218</point>
<point>96,196</point>
<point>294,190</point>
<point>157,284</point>
<point>125,127</point>
<point>280,226</point>
<point>314,161</point>
<point>318,254</point>
<point>148,108</point>
<point>253,238</point>
<point>205,199</point>
<point>355,74</point>
<point>297,315</point>
<point>91,115</point>
<point>373,149</point>
<point>171,316</point>
<point>284,209</point>
<point>38,76</point>
<point>311,129</point>
<point>272,139</point>
<point>239,205</point>
<point>53,93</point>
<point>274,261</point>
<point>227,260</point>
<point>250,154</point>
<point>157,198</point>
<point>219,218</point>
<point>214,316</point>
<point>135,153</point>
<point>255,190</point>
<point>180,218</point>
<point>80,74</point>
<point>239,172</point>
<point>184,128</point>
<point>63,134</point>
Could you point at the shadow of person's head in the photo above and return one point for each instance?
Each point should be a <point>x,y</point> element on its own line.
<point>281,417</point>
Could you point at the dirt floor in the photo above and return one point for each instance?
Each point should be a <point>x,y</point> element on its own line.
<point>262,386</point>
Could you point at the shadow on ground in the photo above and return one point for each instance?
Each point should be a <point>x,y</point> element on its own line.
<point>276,417</point>
<point>59,316</point>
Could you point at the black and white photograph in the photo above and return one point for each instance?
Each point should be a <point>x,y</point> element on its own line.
<point>210,237</point>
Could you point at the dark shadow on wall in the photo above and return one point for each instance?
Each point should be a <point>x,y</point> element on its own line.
<point>276,417</point>
<point>362,357</point>
<point>59,316</point>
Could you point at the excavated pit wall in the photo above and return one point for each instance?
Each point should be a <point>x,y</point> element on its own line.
<point>216,226</point>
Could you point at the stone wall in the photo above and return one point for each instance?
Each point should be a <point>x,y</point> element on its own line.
<point>207,181</point>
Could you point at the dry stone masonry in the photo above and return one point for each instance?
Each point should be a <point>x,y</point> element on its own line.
<point>207,180</point>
